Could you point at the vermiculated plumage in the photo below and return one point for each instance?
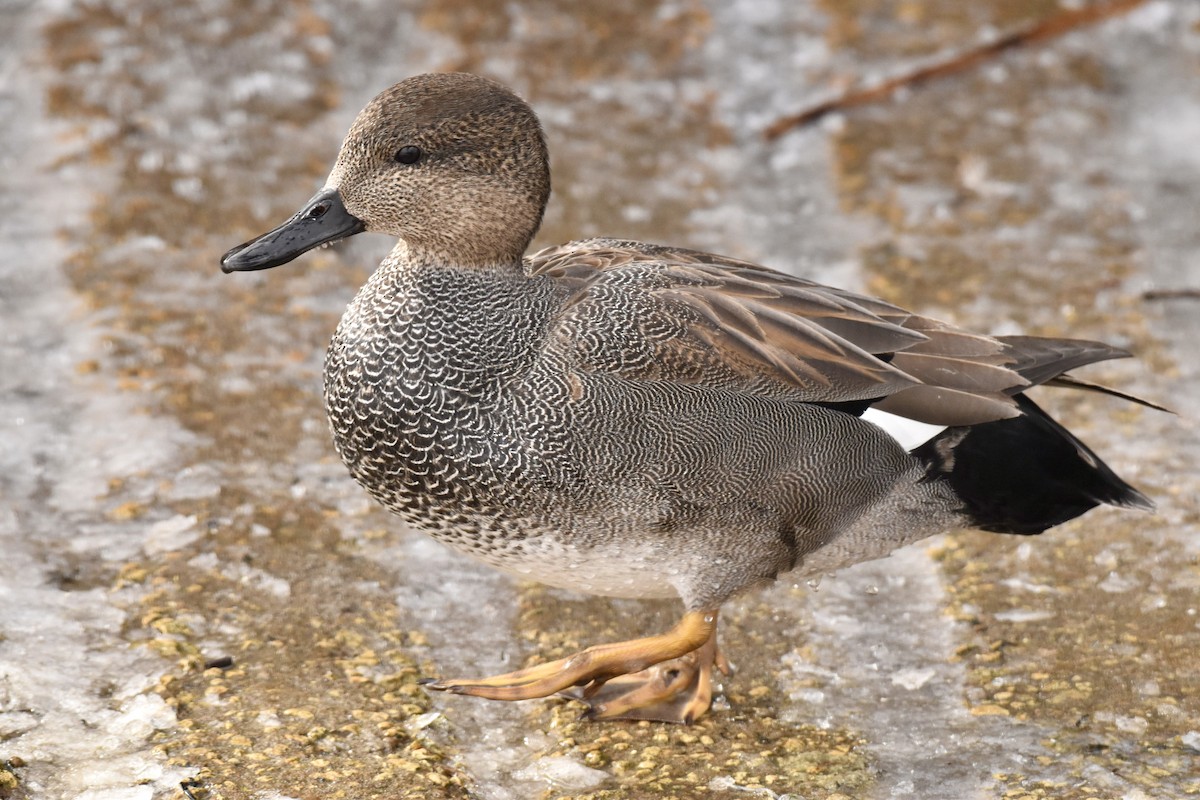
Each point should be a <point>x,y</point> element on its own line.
<point>634,420</point>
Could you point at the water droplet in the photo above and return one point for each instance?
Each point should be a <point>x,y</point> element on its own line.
<point>872,589</point>
<point>813,583</point>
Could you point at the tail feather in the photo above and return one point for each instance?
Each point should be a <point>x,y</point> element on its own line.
<point>1024,474</point>
<point>1039,359</point>
<point>1071,382</point>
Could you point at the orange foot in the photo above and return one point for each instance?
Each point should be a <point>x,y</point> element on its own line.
<point>666,677</point>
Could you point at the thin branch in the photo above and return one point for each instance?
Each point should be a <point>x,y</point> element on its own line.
<point>1171,294</point>
<point>1051,27</point>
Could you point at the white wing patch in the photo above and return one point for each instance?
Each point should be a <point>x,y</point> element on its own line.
<point>908,432</point>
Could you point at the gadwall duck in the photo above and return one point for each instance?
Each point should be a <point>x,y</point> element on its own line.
<point>633,420</point>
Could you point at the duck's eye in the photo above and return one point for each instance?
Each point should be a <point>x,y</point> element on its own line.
<point>409,154</point>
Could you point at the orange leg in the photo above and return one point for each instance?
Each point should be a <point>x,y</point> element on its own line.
<point>679,690</point>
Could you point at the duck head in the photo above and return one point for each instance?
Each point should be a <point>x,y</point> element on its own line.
<point>453,164</point>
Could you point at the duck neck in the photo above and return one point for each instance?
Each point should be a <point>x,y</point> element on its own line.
<point>428,261</point>
<point>476,242</point>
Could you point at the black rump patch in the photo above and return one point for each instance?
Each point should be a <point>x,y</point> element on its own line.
<point>1025,474</point>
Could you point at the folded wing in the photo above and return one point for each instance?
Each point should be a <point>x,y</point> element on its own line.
<point>686,316</point>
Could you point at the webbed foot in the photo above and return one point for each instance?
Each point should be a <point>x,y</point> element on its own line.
<point>666,677</point>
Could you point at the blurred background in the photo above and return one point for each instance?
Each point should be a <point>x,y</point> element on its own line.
<point>192,590</point>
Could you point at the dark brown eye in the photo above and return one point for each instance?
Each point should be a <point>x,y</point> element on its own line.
<point>409,154</point>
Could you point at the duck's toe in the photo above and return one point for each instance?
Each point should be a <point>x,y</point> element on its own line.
<point>693,638</point>
<point>679,690</point>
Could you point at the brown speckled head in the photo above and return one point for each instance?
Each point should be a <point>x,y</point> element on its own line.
<point>453,164</point>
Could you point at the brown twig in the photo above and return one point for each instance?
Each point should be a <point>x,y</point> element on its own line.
<point>1171,294</point>
<point>1049,28</point>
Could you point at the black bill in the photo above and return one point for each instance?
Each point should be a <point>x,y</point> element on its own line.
<point>323,219</point>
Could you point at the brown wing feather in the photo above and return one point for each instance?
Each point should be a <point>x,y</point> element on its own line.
<point>735,319</point>
<point>733,323</point>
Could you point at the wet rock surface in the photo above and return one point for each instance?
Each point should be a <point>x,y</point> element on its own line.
<point>192,589</point>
